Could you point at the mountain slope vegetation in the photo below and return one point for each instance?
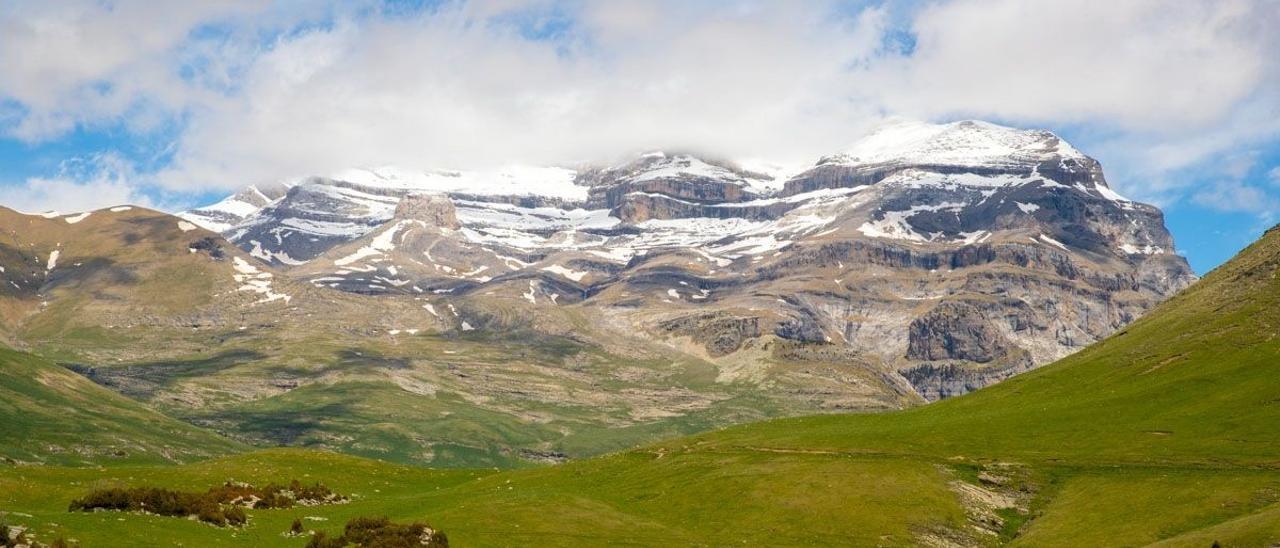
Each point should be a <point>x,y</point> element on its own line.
<point>154,308</point>
<point>1164,434</point>
<point>52,415</point>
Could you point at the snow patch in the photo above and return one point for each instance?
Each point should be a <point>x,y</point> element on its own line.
<point>77,218</point>
<point>1109,194</point>
<point>893,226</point>
<point>256,281</point>
<point>1141,250</point>
<point>267,255</point>
<point>970,238</point>
<point>1051,241</point>
<point>567,273</point>
<point>380,244</point>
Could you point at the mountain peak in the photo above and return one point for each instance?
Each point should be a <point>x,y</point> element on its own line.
<point>668,165</point>
<point>967,143</point>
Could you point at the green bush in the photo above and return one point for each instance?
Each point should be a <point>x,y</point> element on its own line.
<point>221,505</point>
<point>381,532</point>
<point>235,516</point>
<point>321,540</point>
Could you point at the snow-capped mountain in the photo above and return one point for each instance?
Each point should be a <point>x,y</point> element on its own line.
<point>235,209</point>
<point>954,254</point>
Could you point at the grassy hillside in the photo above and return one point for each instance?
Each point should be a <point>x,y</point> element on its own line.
<point>51,415</point>
<point>1166,434</point>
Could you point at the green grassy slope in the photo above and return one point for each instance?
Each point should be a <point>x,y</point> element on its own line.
<point>38,497</point>
<point>51,415</point>
<point>1167,434</point>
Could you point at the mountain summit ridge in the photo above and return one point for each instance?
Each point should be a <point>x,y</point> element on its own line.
<point>966,143</point>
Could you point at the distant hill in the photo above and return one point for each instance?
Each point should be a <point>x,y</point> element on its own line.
<point>49,415</point>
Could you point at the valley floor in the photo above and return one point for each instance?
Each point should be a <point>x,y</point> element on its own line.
<point>700,495</point>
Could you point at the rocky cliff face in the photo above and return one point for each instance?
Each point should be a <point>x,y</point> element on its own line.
<point>431,209</point>
<point>945,256</point>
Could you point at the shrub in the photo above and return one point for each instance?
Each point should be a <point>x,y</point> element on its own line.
<point>235,516</point>
<point>296,528</point>
<point>382,532</point>
<point>320,540</point>
<point>274,499</point>
<point>210,513</point>
<point>221,505</point>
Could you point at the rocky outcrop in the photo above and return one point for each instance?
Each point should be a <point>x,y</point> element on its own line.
<point>828,173</point>
<point>688,188</point>
<point>638,207</point>
<point>662,186</point>
<point>955,331</point>
<point>936,381</point>
<point>433,209</point>
<point>720,333</point>
<point>210,246</point>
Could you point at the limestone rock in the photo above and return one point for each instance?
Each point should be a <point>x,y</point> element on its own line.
<point>433,209</point>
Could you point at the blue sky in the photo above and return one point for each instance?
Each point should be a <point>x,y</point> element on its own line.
<point>173,105</point>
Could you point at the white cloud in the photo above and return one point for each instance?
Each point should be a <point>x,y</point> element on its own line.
<point>1273,176</point>
<point>1145,64</point>
<point>86,62</point>
<point>1233,195</point>
<point>82,61</point>
<point>1161,88</point>
<point>449,90</point>
<point>82,184</point>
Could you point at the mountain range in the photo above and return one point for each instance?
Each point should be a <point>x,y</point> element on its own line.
<point>949,255</point>
<point>525,315</point>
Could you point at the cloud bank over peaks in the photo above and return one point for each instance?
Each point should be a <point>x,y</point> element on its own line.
<point>244,92</point>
